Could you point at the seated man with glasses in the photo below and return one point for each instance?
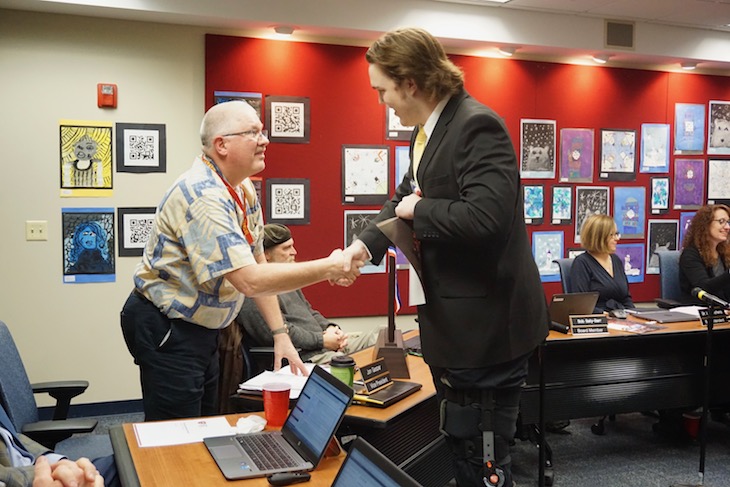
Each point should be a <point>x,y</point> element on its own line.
<point>599,268</point>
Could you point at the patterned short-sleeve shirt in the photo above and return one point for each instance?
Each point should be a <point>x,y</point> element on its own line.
<point>196,240</point>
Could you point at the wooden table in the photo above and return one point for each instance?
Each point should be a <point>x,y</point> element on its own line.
<point>189,465</point>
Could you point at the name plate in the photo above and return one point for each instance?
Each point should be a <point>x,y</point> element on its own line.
<point>585,324</point>
<point>718,316</point>
<point>375,376</point>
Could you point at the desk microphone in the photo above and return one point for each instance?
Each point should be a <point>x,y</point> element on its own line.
<point>554,325</point>
<point>709,298</point>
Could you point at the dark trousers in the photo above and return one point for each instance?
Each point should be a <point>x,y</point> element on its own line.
<point>505,382</point>
<point>178,361</point>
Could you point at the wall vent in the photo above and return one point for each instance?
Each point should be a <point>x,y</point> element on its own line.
<point>619,34</point>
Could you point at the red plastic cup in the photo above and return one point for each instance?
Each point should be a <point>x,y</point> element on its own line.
<point>691,424</point>
<point>276,403</point>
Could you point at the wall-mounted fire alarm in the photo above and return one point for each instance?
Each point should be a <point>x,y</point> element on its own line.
<point>106,95</point>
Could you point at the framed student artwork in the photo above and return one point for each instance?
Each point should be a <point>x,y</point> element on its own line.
<point>654,148</point>
<point>537,149</point>
<point>562,205</point>
<point>86,158</point>
<point>662,235</point>
<point>659,195</point>
<point>394,130</point>
<point>718,133</point>
<point>287,201</point>
<point>718,181</point>
<point>134,226</point>
<point>689,183</point>
<point>402,163</point>
<point>88,245</point>
<point>141,147</point>
<point>253,99</point>
<point>685,220</point>
<point>365,174</point>
<point>355,222</point>
<point>534,204</point>
<point>689,128</point>
<point>629,210</point>
<point>589,200</point>
<point>287,118</point>
<point>576,155</point>
<point>575,252</point>
<point>632,256</point>
<point>618,155</point>
<point>546,247</point>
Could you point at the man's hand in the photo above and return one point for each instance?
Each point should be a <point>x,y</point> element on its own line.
<point>334,339</point>
<point>284,348</point>
<point>353,256</point>
<point>346,266</point>
<point>65,473</point>
<point>407,207</point>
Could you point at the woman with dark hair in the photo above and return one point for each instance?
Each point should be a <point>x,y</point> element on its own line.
<point>705,258</point>
<point>599,268</point>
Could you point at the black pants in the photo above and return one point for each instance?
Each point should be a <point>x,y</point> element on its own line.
<point>178,361</point>
<point>505,381</point>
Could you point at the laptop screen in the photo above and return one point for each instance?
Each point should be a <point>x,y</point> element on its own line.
<point>317,412</point>
<point>367,467</point>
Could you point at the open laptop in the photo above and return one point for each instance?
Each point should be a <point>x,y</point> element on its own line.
<point>564,305</point>
<point>313,420</point>
<point>367,467</point>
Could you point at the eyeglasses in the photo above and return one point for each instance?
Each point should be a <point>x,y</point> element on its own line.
<point>615,235</point>
<point>254,134</point>
<point>722,221</point>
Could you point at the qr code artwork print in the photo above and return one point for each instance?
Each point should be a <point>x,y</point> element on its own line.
<point>135,227</point>
<point>287,118</point>
<point>141,148</point>
<point>287,201</point>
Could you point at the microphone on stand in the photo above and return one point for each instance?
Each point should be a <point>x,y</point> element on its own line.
<point>709,298</point>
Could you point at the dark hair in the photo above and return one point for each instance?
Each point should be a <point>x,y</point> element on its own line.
<point>415,54</point>
<point>698,233</point>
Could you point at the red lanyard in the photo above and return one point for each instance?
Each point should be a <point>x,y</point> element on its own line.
<point>234,194</point>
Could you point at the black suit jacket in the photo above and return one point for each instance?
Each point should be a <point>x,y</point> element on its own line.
<point>484,301</point>
<point>694,273</point>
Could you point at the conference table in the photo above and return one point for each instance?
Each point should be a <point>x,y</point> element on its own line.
<point>406,432</point>
<point>580,376</point>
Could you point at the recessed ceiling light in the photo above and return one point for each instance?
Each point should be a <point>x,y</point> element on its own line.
<point>284,30</point>
<point>601,58</point>
<point>688,65</point>
<point>507,51</point>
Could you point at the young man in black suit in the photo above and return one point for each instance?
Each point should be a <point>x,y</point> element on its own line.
<point>484,312</point>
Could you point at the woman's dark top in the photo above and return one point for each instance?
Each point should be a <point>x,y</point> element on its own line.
<point>586,275</point>
<point>694,273</point>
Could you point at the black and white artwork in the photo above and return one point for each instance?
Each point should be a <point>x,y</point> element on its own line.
<point>537,149</point>
<point>718,134</point>
<point>718,181</point>
<point>355,222</point>
<point>141,147</point>
<point>589,200</point>
<point>134,226</point>
<point>287,118</point>
<point>662,236</point>
<point>287,201</point>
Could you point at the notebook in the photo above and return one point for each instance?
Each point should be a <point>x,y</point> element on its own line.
<point>665,316</point>
<point>312,421</point>
<point>564,305</point>
<point>391,394</point>
<point>367,467</point>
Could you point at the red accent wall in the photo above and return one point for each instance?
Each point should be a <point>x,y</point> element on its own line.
<point>345,110</point>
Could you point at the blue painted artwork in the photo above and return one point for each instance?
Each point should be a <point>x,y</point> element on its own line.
<point>546,247</point>
<point>629,210</point>
<point>534,202</point>
<point>632,256</point>
<point>654,148</point>
<point>88,245</point>
<point>689,128</point>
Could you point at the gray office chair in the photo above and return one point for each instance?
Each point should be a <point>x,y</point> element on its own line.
<point>671,293</point>
<point>565,265</point>
<point>17,397</point>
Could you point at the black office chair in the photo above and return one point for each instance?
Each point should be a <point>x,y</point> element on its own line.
<point>564,265</point>
<point>671,293</point>
<point>17,396</point>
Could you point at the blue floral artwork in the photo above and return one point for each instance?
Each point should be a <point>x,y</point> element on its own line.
<point>629,210</point>
<point>534,203</point>
<point>659,194</point>
<point>546,247</point>
<point>562,204</point>
<point>632,255</point>
<point>654,148</point>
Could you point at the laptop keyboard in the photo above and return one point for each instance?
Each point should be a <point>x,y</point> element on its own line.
<point>266,452</point>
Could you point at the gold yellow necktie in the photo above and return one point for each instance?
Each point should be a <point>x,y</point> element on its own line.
<point>418,146</point>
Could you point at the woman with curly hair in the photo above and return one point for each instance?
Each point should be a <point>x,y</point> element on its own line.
<point>705,258</point>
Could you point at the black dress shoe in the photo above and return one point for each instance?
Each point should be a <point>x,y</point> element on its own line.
<point>557,427</point>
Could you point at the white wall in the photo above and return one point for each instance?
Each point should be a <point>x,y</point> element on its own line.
<point>49,68</point>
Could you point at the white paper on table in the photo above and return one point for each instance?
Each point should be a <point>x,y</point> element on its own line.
<point>690,310</point>
<point>164,433</point>
<point>285,375</point>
